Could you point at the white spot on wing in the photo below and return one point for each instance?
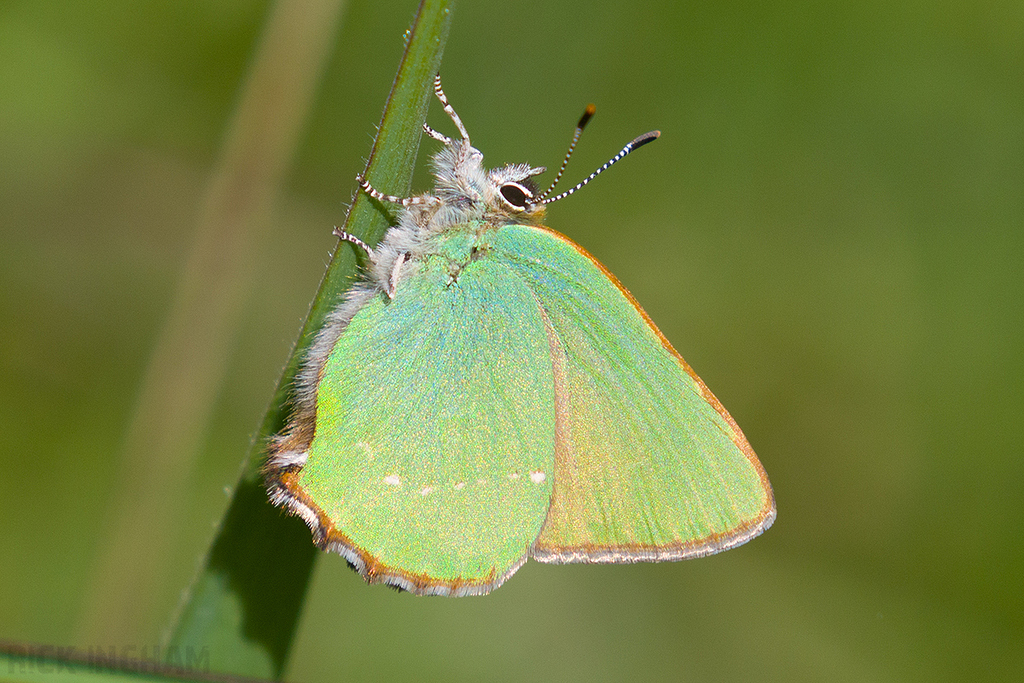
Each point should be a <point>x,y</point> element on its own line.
<point>461,485</point>
<point>538,477</point>
<point>427,490</point>
<point>513,476</point>
<point>392,480</point>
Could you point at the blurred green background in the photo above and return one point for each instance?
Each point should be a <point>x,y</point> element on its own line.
<point>831,231</point>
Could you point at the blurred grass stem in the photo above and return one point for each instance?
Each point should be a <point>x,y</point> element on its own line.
<point>190,358</point>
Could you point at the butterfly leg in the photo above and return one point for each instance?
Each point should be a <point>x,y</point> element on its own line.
<point>440,137</point>
<point>449,110</point>
<point>352,239</point>
<point>393,278</point>
<point>394,199</point>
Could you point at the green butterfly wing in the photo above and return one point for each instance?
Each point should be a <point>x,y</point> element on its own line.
<point>432,463</point>
<point>648,464</point>
<point>513,400</point>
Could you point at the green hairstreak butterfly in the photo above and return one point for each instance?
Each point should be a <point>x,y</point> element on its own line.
<point>488,392</point>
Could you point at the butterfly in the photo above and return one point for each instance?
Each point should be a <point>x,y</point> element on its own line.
<point>488,392</point>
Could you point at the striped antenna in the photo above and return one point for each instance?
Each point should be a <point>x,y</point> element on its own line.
<point>638,141</point>
<point>448,109</point>
<point>587,113</point>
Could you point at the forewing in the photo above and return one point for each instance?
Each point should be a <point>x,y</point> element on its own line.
<point>432,461</point>
<point>649,465</point>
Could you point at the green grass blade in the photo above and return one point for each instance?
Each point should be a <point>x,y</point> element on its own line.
<point>245,604</point>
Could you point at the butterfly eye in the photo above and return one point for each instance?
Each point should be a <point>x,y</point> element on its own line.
<point>515,195</point>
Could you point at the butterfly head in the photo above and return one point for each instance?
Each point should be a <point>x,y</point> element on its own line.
<point>509,192</point>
